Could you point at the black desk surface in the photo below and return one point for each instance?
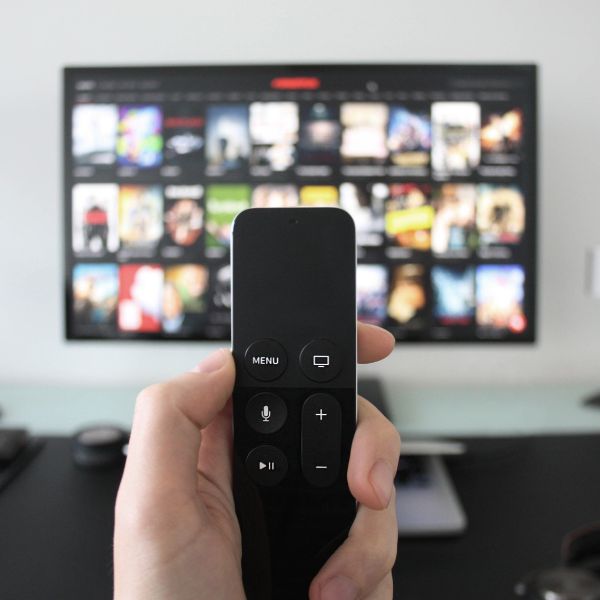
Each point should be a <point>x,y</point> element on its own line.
<point>521,496</point>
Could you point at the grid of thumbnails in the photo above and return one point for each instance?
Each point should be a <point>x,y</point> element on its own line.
<point>435,189</point>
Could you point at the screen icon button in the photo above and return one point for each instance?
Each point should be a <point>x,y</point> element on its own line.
<point>320,360</point>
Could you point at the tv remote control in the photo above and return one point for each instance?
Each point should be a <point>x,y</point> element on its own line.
<point>294,402</point>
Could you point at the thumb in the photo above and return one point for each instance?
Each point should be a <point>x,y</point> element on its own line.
<point>168,419</point>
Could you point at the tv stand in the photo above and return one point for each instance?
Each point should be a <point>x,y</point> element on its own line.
<point>426,501</point>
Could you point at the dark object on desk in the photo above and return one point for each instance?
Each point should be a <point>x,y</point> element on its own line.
<point>16,451</point>
<point>592,401</point>
<point>577,579</point>
<point>562,583</point>
<point>581,548</point>
<point>99,447</point>
<point>12,441</point>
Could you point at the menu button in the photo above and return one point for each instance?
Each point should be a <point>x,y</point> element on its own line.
<point>265,360</point>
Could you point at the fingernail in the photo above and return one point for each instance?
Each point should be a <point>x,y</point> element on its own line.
<point>382,481</point>
<point>213,362</point>
<point>339,588</point>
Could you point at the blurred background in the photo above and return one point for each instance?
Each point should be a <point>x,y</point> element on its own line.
<point>37,43</point>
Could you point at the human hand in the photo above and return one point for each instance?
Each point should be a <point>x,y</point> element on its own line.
<point>176,533</point>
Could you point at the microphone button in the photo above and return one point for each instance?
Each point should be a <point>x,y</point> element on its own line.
<point>266,412</point>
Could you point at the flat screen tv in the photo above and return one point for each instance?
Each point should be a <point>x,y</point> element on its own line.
<point>435,163</point>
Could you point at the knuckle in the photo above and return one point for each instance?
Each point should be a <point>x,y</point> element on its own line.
<point>146,395</point>
<point>392,436</point>
<point>379,554</point>
<point>397,441</point>
<point>151,396</point>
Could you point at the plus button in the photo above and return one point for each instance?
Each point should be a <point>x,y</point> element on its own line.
<point>321,414</point>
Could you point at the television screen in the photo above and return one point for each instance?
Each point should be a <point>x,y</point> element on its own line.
<point>435,163</point>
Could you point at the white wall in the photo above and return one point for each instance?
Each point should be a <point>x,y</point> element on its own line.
<point>37,41</point>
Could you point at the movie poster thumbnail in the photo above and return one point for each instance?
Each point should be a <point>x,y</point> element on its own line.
<point>95,293</point>
<point>140,218</point>
<point>274,128</point>
<point>453,233</point>
<point>223,203</point>
<point>501,136</point>
<point>500,298</point>
<point>270,195</point>
<point>94,137</point>
<point>409,137</point>
<point>221,295</point>
<point>371,293</point>
<point>184,301</point>
<point>407,304</point>
<point>140,298</point>
<point>140,140</point>
<point>183,220</point>
<point>409,218</point>
<point>365,203</point>
<point>95,218</point>
<point>500,215</point>
<point>319,195</point>
<point>227,139</point>
<point>183,131</point>
<point>364,133</point>
<point>453,295</point>
<point>455,146</point>
<point>320,135</point>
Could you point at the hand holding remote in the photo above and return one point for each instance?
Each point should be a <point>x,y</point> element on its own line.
<point>176,532</point>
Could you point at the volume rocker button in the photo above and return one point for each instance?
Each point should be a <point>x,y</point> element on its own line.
<point>321,439</point>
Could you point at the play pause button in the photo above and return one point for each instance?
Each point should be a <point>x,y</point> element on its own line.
<point>266,465</point>
<point>262,465</point>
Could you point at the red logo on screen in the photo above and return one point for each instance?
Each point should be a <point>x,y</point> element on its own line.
<point>181,122</point>
<point>96,216</point>
<point>296,83</point>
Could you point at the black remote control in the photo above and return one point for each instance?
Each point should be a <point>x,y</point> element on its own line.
<point>294,344</point>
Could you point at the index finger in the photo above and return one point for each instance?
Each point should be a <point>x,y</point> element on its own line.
<point>374,343</point>
<point>165,437</point>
